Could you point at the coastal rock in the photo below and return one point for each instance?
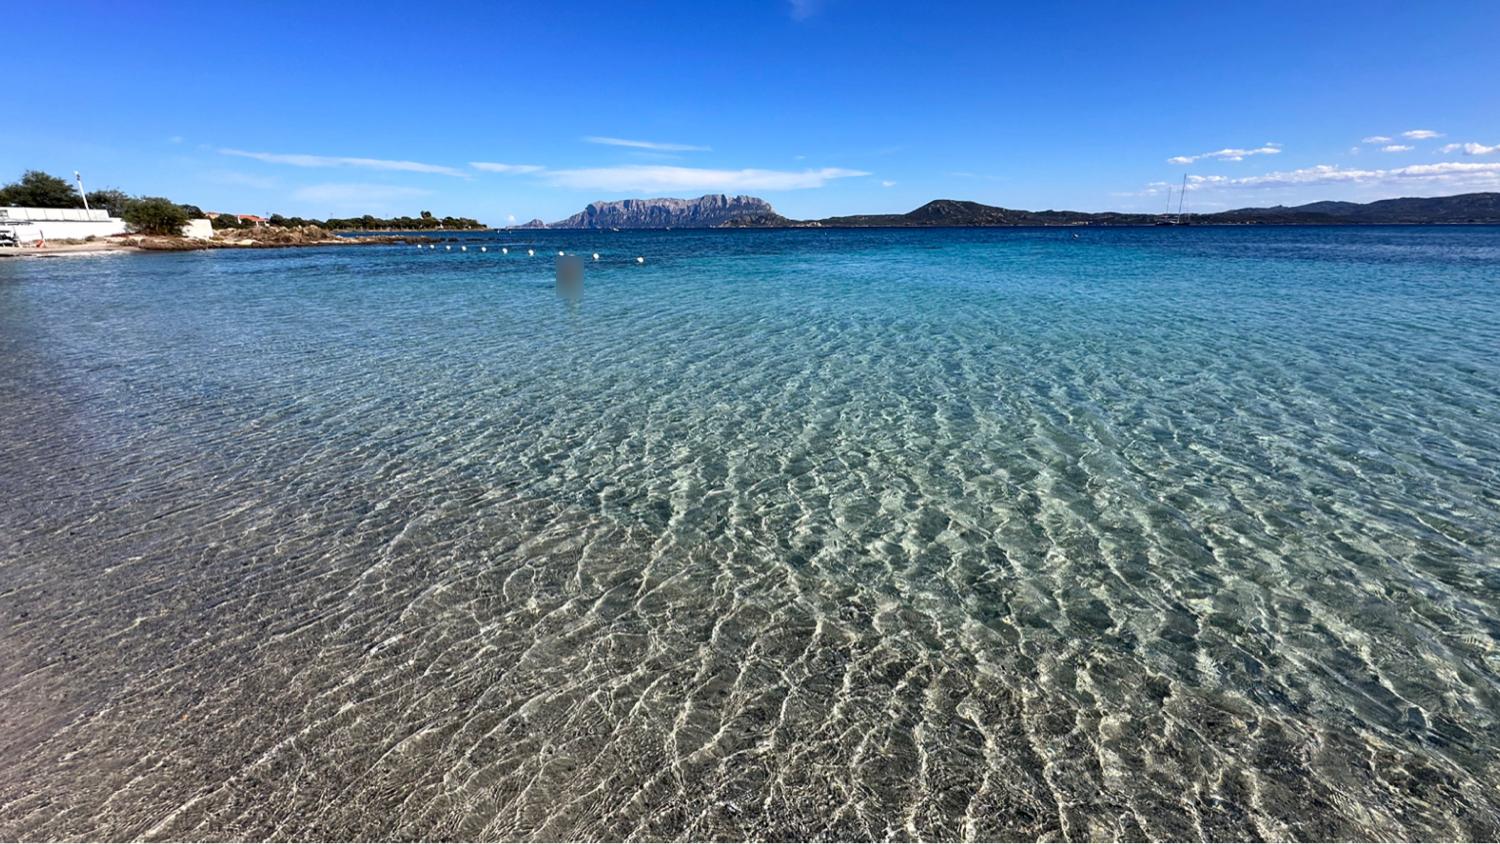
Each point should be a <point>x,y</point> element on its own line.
<point>704,212</point>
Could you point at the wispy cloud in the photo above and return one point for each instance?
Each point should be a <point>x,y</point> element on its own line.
<point>887,184</point>
<point>1377,139</point>
<point>801,10</point>
<point>1396,148</point>
<point>244,180</point>
<point>645,177</point>
<point>356,195</point>
<point>495,167</point>
<point>1471,148</point>
<point>656,145</point>
<point>301,160</point>
<point>1227,154</point>
<point>1455,174</point>
<point>1421,134</point>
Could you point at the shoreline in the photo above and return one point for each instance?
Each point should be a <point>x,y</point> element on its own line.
<point>128,244</point>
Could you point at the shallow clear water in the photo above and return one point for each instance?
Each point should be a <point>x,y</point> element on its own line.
<point>915,534</point>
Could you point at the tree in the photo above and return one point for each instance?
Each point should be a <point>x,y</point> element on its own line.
<point>226,221</point>
<point>40,190</point>
<point>155,215</point>
<point>109,199</point>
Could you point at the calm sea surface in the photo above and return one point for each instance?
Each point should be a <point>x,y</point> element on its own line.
<point>877,534</point>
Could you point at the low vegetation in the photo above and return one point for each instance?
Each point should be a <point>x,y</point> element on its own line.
<point>156,215</point>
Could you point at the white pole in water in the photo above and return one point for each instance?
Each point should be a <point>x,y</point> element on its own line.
<point>79,176</point>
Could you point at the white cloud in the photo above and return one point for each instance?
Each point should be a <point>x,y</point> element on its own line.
<point>1456,174</point>
<point>625,142</point>
<point>1471,148</point>
<point>1421,134</point>
<point>887,184</point>
<point>299,160</point>
<point>1376,139</point>
<point>1396,148</point>
<point>356,195</point>
<point>1227,154</point>
<point>493,167</point>
<point>801,10</point>
<point>646,177</point>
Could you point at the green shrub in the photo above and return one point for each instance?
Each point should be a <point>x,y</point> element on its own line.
<point>155,215</point>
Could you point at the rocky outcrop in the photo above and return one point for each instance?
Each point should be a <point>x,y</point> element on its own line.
<point>701,213</point>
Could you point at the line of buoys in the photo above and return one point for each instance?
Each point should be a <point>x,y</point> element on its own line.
<point>505,250</point>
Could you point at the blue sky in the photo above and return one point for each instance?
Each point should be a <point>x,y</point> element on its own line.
<point>821,106</point>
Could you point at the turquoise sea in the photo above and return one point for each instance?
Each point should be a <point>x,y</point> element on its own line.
<point>944,534</point>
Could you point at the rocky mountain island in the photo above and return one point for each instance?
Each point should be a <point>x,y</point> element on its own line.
<point>704,212</point>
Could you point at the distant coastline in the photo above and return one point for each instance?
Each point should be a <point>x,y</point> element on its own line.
<point>719,211</point>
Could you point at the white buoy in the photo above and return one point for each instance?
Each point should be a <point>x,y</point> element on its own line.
<point>640,260</point>
<point>531,252</point>
<point>484,249</point>
<point>559,253</point>
<point>505,250</point>
<point>447,249</point>
<point>463,249</point>
<point>432,246</point>
<point>596,256</point>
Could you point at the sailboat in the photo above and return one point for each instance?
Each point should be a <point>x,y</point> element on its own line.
<point>1181,196</point>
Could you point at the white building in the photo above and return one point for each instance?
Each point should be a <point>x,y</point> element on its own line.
<point>32,224</point>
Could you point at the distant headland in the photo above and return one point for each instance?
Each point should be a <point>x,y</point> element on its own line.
<point>721,211</point>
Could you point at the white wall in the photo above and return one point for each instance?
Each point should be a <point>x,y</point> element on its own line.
<point>32,224</point>
<point>198,230</point>
<point>66,229</point>
<point>73,215</point>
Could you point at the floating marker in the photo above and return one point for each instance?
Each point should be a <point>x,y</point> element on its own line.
<point>447,249</point>
<point>531,252</point>
<point>484,249</point>
<point>431,246</point>
<point>640,260</point>
<point>559,253</point>
<point>463,249</point>
<point>505,250</point>
<point>596,256</point>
